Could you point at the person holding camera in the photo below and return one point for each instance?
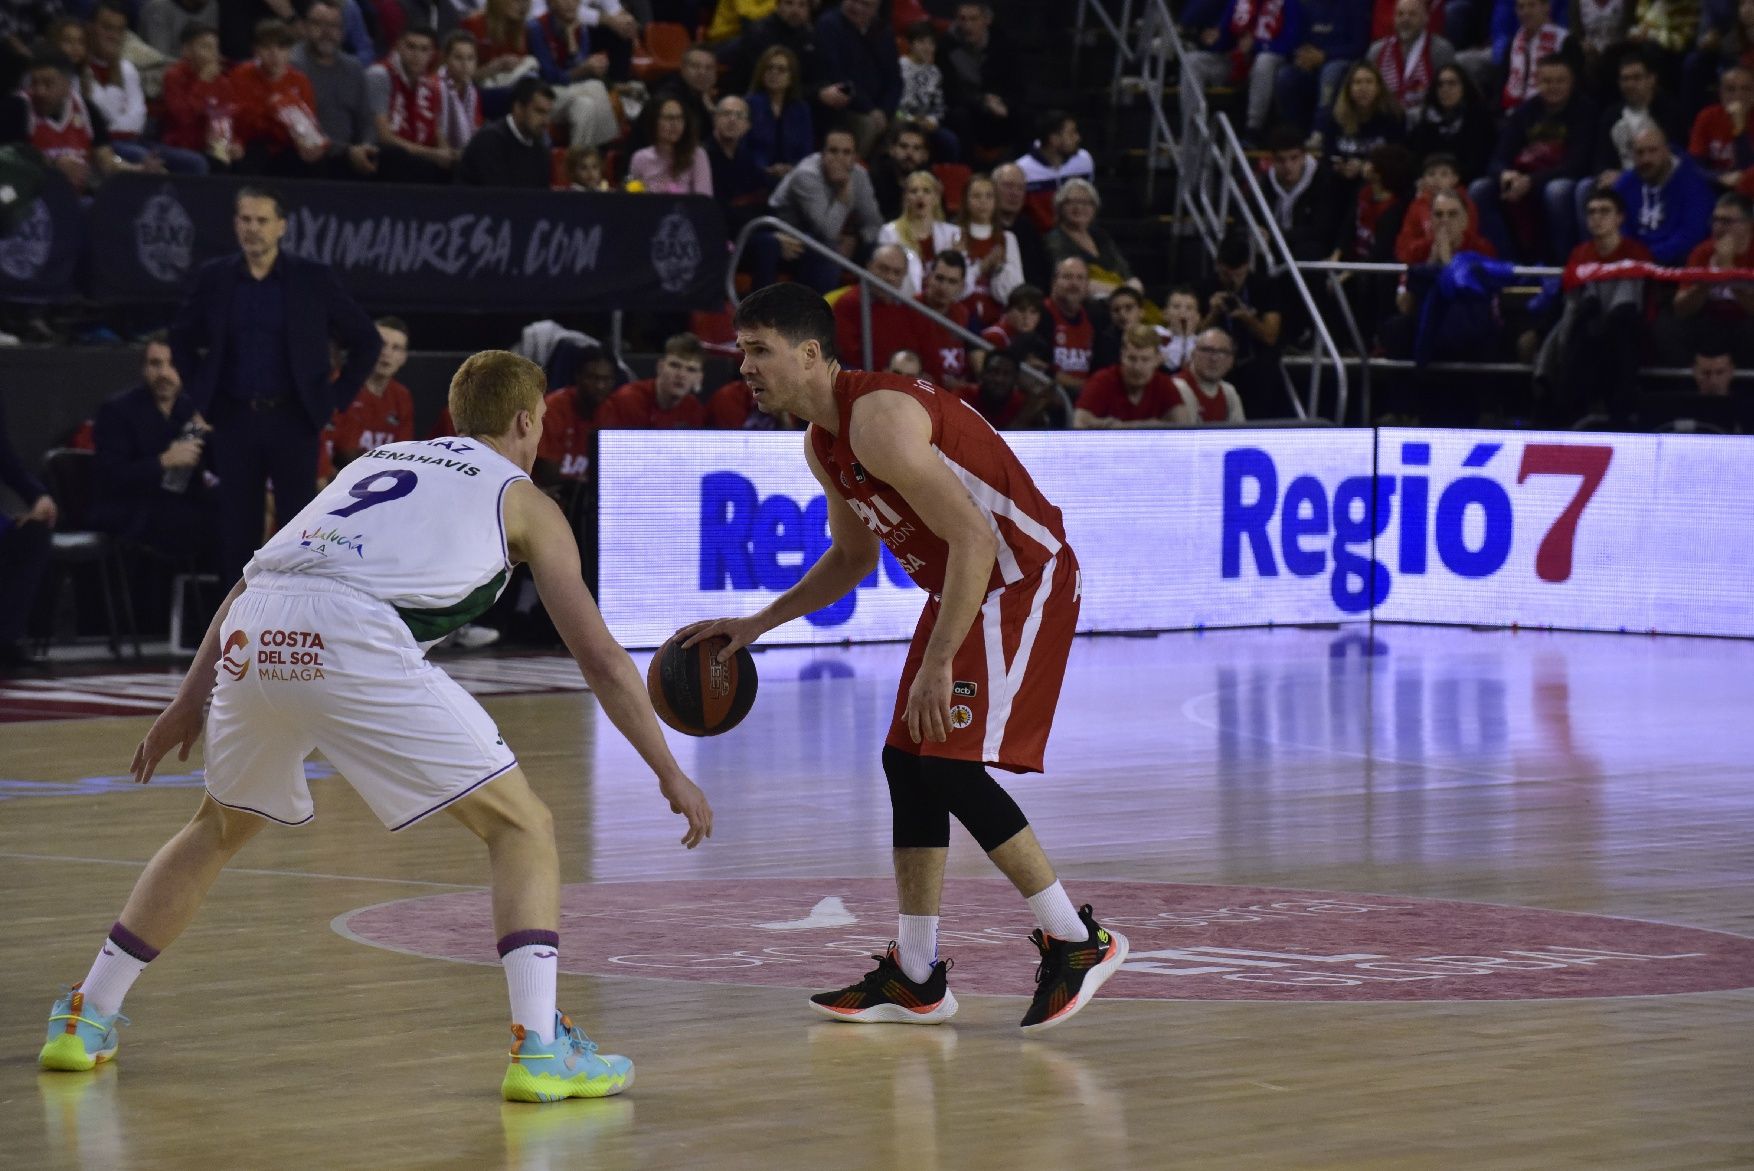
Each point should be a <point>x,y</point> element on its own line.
<point>1246,305</point>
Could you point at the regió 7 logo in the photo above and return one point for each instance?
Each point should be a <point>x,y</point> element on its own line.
<point>1349,521</point>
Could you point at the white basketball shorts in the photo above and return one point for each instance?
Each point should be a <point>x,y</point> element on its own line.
<point>310,663</point>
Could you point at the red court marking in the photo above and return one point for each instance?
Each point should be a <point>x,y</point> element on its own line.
<point>1188,942</point>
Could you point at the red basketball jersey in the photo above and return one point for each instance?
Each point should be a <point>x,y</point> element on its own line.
<point>1029,528</point>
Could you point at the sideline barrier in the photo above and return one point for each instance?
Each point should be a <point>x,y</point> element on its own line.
<point>1188,529</point>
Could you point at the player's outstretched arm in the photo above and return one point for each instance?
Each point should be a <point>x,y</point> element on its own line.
<point>850,558</point>
<point>892,436</point>
<point>538,534</point>
<point>180,723</point>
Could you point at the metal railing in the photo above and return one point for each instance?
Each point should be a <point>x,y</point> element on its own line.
<point>1151,52</point>
<point>868,284</point>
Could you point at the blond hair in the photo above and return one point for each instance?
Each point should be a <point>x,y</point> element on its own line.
<point>1140,336</point>
<point>490,388</point>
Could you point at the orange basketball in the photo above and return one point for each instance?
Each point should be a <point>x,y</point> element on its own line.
<point>695,693</point>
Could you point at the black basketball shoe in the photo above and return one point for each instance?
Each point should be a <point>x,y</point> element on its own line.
<point>1070,972</point>
<point>888,997</point>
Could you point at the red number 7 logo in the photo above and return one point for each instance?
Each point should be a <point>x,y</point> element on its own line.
<point>1590,462</point>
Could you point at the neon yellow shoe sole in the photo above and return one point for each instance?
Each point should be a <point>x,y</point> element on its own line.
<point>522,1085</point>
<point>67,1052</point>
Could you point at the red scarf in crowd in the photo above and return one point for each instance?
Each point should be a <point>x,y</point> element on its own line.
<point>1408,75</point>
<point>1525,54</point>
<point>1642,270</point>
<point>415,105</point>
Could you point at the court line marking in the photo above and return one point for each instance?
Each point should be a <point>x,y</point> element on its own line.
<point>246,870</point>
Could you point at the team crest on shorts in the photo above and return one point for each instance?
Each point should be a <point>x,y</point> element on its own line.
<point>961,717</point>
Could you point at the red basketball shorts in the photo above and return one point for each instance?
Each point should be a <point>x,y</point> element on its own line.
<point>1006,674</point>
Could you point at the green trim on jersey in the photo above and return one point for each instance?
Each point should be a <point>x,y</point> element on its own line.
<point>432,625</point>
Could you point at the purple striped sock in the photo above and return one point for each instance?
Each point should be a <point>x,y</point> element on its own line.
<point>517,939</point>
<point>132,943</point>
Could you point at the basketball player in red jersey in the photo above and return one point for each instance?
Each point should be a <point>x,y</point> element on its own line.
<point>916,468</point>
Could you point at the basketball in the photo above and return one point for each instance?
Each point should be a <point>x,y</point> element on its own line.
<point>695,693</point>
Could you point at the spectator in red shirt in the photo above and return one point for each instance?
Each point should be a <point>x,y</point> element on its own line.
<point>71,136</point>
<point>1205,396</point>
<point>1599,340</point>
<point>408,101</point>
<point>669,400</point>
<point>732,407</point>
<point>277,109</point>
<point>1722,142</point>
<point>1066,325</point>
<point>383,410</point>
<point>943,353</point>
<point>1132,394</point>
<point>1721,310</point>
<point>893,325</point>
<point>1021,318</point>
<point>572,420</point>
<point>198,103</point>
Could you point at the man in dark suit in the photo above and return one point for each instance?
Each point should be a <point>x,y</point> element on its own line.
<point>265,320</point>
<point>149,452</point>
<point>24,551</point>
<point>513,152</point>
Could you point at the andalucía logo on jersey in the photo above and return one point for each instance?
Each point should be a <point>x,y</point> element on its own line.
<point>235,667</point>
<point>322,540</point>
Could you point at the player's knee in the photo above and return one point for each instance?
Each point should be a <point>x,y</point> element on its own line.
<point>974,798</point>
<point>919,817</point>
<point>225,830</point>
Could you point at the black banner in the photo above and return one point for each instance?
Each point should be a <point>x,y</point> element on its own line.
<point>39,258</point>
<point>406,248</point>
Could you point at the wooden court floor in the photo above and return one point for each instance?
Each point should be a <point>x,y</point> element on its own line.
<point>1504,776</point>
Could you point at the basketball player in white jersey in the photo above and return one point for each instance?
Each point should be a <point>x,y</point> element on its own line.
<point>322,645</point>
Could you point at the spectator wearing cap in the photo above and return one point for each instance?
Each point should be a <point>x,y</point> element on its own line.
<point>668,400</point>
<point>1134,393</point>
<point>1668,199</point>
<point>513,151</point>
<point>1525,201</point>
<point>1335,34</point>
<point>1056,157</point>
<point>856,55</point>
<point>1205,397</point>
<point>983,83</point>
<point>251,345</point>
<point>1245,304</point>
<point>341,89</point>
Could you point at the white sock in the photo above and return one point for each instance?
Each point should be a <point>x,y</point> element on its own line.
<point>112,974</point>
<point>530,975</point>
<point>1058,918</point>
<point>917,943</point>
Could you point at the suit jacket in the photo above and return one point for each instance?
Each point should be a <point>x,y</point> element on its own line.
<point>318,308</point>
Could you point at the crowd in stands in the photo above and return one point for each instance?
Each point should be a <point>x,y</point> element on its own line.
<point>1460,137</point>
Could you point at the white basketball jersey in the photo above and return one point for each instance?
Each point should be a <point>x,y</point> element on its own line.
<point>417,525</point>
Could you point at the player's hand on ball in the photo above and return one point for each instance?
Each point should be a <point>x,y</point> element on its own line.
<point>686,798</point>
<point>928,705</point>
<point>740,631</point>
<point>180,723</point>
